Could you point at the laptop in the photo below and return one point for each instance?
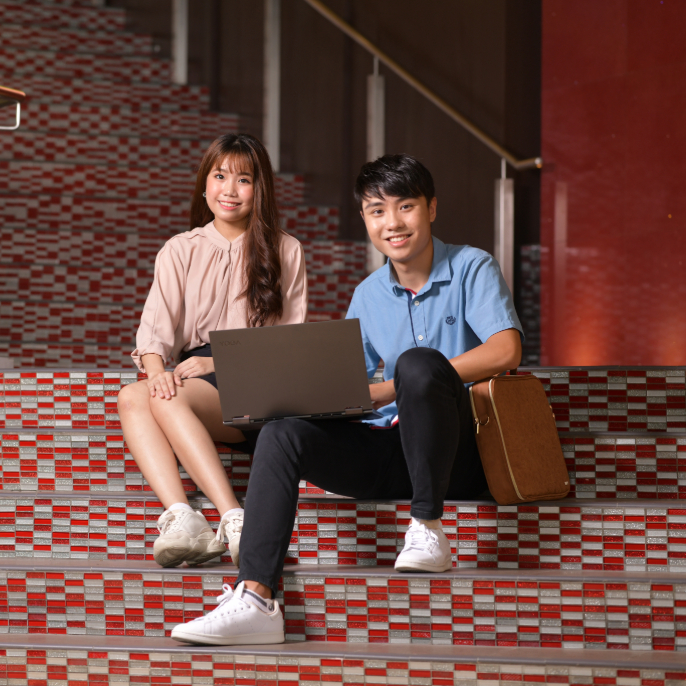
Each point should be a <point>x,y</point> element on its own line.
<point>308,371</point>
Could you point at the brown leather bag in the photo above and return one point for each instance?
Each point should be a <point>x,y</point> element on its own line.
<point>518,440</point>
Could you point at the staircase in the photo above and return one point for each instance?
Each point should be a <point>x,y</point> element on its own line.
<point>100,175</point>
<point>537,591</point>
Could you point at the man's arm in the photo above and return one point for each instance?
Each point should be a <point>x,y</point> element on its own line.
<point>502,351</point>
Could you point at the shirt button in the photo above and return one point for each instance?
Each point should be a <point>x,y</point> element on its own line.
<point>416,302</point>
<point>420,337</point>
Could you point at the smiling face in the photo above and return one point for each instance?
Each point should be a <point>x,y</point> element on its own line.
<point>400,228</point>
<point>230,193</point>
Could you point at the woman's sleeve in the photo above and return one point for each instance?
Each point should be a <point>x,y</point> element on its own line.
<point>293,286</point>
<point>162,308</point>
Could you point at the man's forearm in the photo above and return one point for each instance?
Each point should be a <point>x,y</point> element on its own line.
<point>501,351</point>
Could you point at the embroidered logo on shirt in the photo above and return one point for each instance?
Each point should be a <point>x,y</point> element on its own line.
<point>450,320</point>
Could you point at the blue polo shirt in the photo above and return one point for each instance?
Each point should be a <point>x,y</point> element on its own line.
<point>464,302</point>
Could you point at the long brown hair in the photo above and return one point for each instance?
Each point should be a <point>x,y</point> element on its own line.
<point>261,260</point>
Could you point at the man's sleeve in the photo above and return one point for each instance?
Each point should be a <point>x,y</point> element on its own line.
<point>489,306</point>
<point>371,357</point>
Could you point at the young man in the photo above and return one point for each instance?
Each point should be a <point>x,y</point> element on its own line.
<point>439,316</point>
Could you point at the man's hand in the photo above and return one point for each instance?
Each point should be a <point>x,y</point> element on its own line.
<point>192,367</point>
<point>382,393</point>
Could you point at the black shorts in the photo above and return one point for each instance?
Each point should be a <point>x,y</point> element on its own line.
<point>248,445</point>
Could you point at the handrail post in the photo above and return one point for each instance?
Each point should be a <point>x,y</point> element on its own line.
<point>17,120</point>
<point>272,81</point>
<point>504,225</point>
<point>180,41</point>
<point>376,135</point>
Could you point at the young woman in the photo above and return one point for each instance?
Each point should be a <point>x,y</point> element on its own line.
<point>236,269</point>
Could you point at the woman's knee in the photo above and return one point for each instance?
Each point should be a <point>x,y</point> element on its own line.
<point>133,397</point>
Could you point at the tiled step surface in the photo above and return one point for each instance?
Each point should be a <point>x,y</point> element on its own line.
<point>62,355</point>
<point>166,217</point>
<point>144,120</point>
<point>63,90</point>
<point>644,413</point>
<point>93,659</point>
<point>335,604</point>
<point>644,535</point>
<point>96,43</point>
<point>60,16</point>
<point>600,467</point>
<point>73,65</point>
<point>103,149</point>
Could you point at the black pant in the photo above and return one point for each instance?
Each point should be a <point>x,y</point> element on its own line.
<point>430,456</point>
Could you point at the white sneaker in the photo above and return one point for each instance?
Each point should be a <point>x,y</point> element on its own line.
<point>426,550</point>
<point>240,618</point>
<point>231,526</point>
<point>185,535</point>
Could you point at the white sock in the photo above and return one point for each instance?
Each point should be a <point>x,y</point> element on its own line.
<point>181,506</point>
<point>235,510</point>
<point>258,601</point>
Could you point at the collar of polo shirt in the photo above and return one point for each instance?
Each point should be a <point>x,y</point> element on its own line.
<point>441,271</point>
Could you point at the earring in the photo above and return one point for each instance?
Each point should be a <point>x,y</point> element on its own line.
<point>204,195</point>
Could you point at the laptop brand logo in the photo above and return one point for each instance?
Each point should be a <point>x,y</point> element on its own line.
<point>225,343</point>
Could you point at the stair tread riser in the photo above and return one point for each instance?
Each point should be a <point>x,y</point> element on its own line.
<point>659,417</point>
<point>62,16</point>
<point>22,454</point>
<point>577,535</point>
<point>107,92</point>
<point>358,663</point>
<point>124,120</point>
<point>336,603</point>
<point>74,65</point>
<point>94,42</point>
<point>122,183</point>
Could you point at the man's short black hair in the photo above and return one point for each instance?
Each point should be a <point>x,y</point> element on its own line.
<point>401,176</point>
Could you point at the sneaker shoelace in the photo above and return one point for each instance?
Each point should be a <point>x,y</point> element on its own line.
<point>230,525</point>
<point>222,599</point>
<point>165,523</point>
<point>419,536</point>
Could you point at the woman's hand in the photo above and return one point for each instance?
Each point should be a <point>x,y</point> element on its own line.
<point>382,393</point>
<point>192,367</point>
<point>162,385</point>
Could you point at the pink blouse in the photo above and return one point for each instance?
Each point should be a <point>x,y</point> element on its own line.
<point>198,278</point>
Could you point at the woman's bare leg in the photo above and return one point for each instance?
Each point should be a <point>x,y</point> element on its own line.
<point>158,430</point>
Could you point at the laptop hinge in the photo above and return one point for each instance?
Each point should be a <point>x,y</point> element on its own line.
<point>241,420</point>
<point>353,410</point>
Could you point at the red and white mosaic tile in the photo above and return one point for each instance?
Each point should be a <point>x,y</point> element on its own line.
<point>574,535</point>
<point>94,43</point>
<point>659,394</point>
<point>62,16</point>
<point>79,66</point>
<point>441,610</point>
<point>72,666</point>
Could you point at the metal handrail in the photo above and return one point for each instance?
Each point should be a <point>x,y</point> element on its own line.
<point>10,96</point>
<point>532,162</point>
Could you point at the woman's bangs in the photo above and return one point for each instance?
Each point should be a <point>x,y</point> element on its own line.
<point>237,162</point>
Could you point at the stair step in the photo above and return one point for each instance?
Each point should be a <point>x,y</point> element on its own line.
<point>91,42</point>
<point>163,217</point>
<point>61,16</point>
<point>131,286</point>
<point>610,535</point>
<point>69,354</point>
<point>107,92</point>
<point>130,68</point>
<point>76,658</point>
<point>557,383</point>
<point>115,150</point>
<point>595,610</point>
<point>122,250</point>
<point>125,120</point>
<point>643,466</point>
